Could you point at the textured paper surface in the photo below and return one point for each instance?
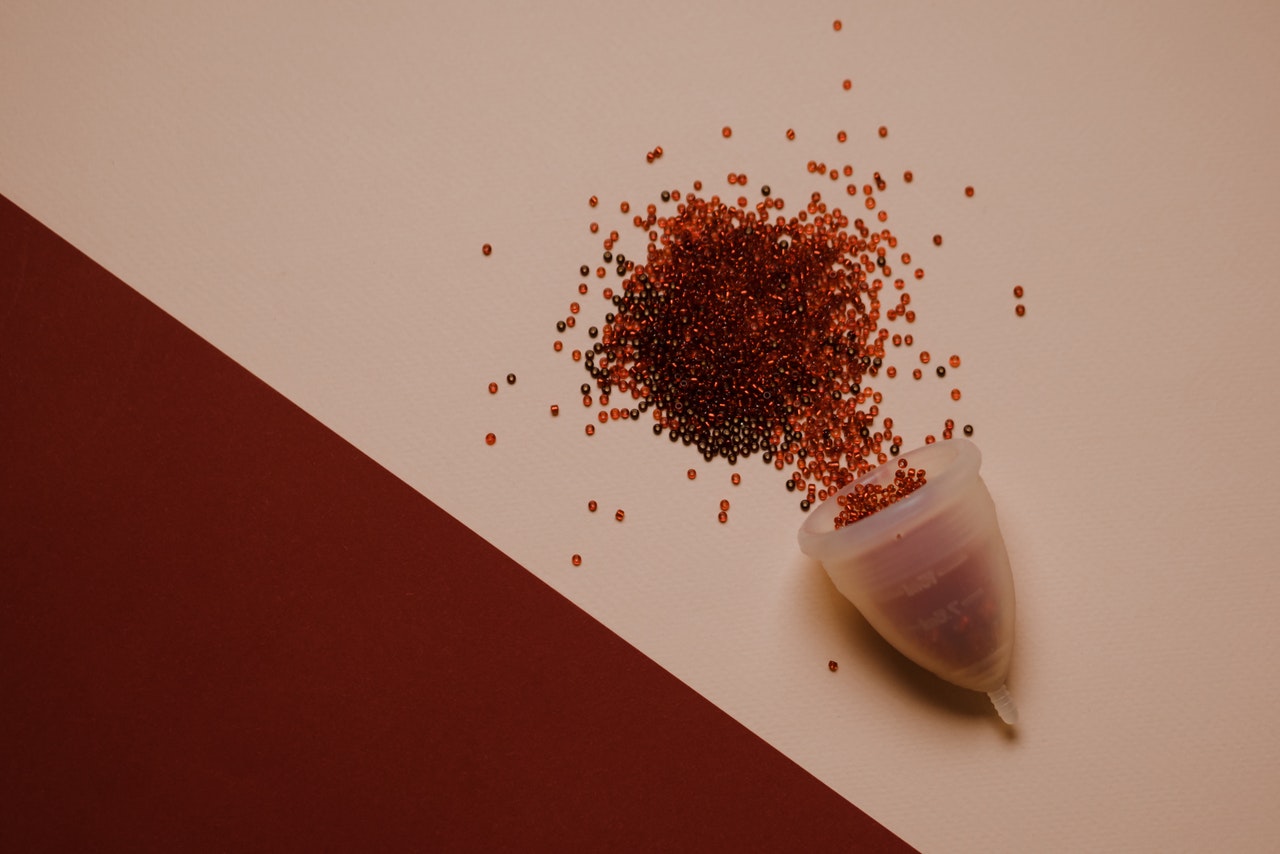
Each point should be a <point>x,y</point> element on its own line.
<point>308,189</point>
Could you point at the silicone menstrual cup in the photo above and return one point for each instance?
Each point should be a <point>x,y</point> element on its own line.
<point>929,572</point>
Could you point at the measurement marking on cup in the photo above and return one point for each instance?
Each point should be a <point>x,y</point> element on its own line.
<point>942,616</point>
<point>921,582</point>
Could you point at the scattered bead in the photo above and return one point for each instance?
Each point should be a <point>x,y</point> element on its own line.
<point>486,249</point>
<point>493,388</point>
<point>489,439</point>
<point>511,379</point>
<point>884,131</point>
<point>577,560</point>
<point>620,516</point>
<point>693,473</point>
<point>832,666</point>
<point>555,410</point>
<point>726,131</point>
<point>968,191</point>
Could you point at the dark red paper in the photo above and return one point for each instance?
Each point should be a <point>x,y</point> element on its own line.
<point>223,627</point>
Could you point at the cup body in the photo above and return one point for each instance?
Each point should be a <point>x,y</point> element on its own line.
<point>930,572</point>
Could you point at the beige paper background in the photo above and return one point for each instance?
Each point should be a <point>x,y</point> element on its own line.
<point>308,186</point>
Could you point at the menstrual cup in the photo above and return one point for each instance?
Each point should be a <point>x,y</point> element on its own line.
<point>929,572</point>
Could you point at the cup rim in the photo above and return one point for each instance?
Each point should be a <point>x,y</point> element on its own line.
<point>946,463</point>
